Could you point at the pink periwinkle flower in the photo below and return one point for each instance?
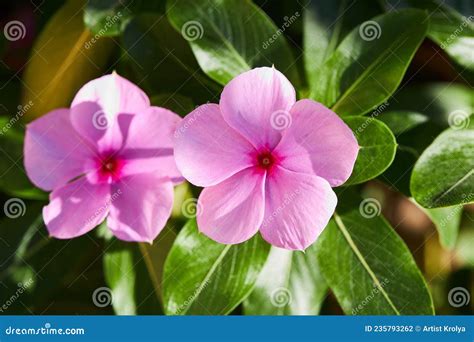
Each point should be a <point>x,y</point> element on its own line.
<point>109,156</point>
<point>267,161</point>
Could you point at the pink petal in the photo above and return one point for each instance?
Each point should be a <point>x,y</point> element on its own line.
<point>318,142</point>
<point>149,145</point>
<point>102,109</point>
<point>140,206</point>
<point>207,149</point>
<point>232,211</point>
<point>76,208</point>
<point>54,152</point>
<point>297,208</point>
<point>256,104</point>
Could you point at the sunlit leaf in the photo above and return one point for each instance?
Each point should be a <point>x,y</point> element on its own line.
<point>162,60</point>
<point>289,284</point>
<point>134,272</point>
<point>377,148</point>
<point>447,221</point>
<point>368,266</point>
<point>453,32</point>
<point>444,174</point>
<point>64,57</point>
<point>203,277</point>
<point>369,64</point>
<point>326,23</point>
<point>109,17</point>
<point>229,37</point>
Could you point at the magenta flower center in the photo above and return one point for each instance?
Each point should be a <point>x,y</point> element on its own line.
<point>110,167</point>
<point>265,160</point>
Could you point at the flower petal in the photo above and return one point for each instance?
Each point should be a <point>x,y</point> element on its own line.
<point>318,142</point>
<point>149,145</point>
<point>232,211</point>
<point>103,108</point>
<point>140,206</point>
<point>207,149</point>
<point>54,152</point>
<point>297,208</point>
<point>76,208</point>
<point>253,102</point>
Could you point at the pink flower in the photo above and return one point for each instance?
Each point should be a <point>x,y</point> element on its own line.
<point>109,156</point>
<point>268,162</point>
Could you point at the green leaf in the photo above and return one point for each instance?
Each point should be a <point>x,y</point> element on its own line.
<point>377,148</point>
<point>107,18</point>
<point>226,42</point>
<point>401,121</point>
<point>289,284</point>
<point>447,221</point>
<point>369,268</point>
<point>453,32</point>
<point>369,64</point>
<point>13,178</point>
<point>18,232</point>
<point>20,236</point>
<point>326,23</point>
<point>464,250</point>
<point>203,277</point>
<point>134,273</point>
<point>397,176</point>
<point>119,272</point>
<point>438,101</point>
<point>444,174</point>
<point>65,56</point>
<point>63,273</point>
<point>162,60</point>
<point>443,104</point>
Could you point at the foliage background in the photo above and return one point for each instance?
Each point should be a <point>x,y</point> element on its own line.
<point>417,93</point>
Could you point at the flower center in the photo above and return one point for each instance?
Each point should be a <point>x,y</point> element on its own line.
<point>110,167</point>
<point>265,160</point>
